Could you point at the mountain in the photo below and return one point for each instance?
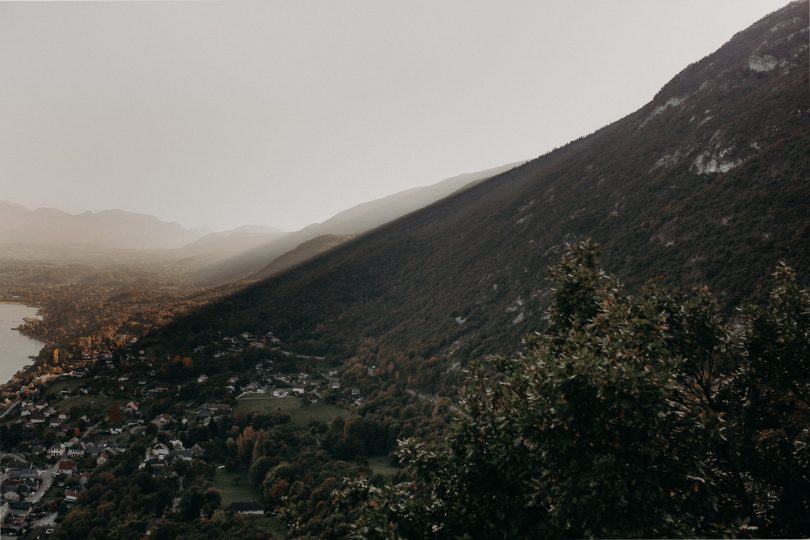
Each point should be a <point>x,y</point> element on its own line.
<point>355,220</point>
<point>706,184</point>
<point>227,244</point>
<point>109,229</point>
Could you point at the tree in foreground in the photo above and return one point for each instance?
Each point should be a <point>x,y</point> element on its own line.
<point>629,416</point>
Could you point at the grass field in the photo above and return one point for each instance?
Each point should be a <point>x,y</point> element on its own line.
<point>235,487</point>
<point>97,403</point>
<point>293,406</point>
<point>263,402</point>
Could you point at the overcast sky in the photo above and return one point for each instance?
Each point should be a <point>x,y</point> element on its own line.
<point>284,113</point>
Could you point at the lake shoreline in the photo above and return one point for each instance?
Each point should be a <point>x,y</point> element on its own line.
<point>19,350</point>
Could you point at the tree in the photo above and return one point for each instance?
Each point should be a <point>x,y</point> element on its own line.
<point>629,416</point>
<point>767,399</point>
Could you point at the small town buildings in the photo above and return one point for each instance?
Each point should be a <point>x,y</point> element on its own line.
<point>66,467</point>
<point>102,459</point>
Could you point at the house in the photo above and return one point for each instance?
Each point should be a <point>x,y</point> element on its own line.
<point>102,459</point>
<point>22,474</point>
<point>66,467</point>
<point>71,495</point>
<point>159,451</point>
<point>119,447</point>
<point>19,508</point>
<point>246,508</point>
<point>131,407</point>
<point>9,485</point>
<point>163,420</point>
<point>56,451</point>
<point>183,455</point>
<point>75,451</point>
<point>18,464</point>
<point>176,444</point>
<point>92,450</point>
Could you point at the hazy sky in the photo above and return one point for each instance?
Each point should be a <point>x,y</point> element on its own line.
<point>284,113</point>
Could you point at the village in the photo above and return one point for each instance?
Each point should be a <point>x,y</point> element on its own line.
<point>92,406</point>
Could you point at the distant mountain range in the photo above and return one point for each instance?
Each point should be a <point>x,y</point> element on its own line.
<point>208,258</point>
<point>706,184</point>
<point>109,229</point>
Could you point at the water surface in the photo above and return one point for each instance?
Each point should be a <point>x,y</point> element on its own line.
<point>15,349</point>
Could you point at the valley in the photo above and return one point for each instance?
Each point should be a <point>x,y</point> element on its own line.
<point>610,340</point>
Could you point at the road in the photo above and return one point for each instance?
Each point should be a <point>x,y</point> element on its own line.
<point>47,476</point>
<point>90,430</point>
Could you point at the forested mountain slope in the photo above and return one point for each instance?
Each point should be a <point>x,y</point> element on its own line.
<point>709,183</point>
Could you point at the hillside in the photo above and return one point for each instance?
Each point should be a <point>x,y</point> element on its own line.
<point>706,184</point>
<point>355,220</point>
<point>304,252</point>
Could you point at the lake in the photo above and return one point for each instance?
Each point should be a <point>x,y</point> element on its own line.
<point>15,348</point>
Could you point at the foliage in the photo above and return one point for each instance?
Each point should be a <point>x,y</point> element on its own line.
<point>630,416</point>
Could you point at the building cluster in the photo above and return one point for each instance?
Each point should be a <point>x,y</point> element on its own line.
<point>75,418</point>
